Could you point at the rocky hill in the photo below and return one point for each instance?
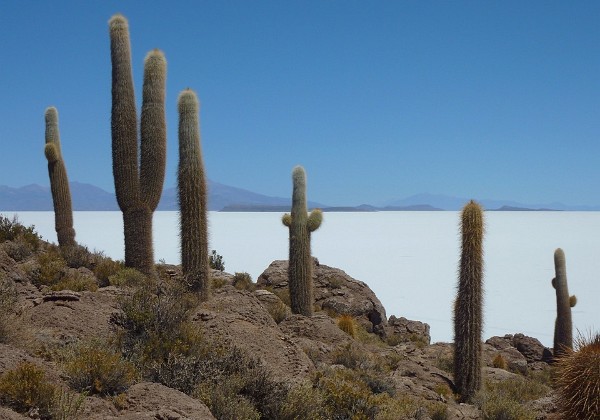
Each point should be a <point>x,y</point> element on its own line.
<point>82,337</point>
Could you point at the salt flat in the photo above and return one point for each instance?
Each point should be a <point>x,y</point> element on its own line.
<point>408,258</point>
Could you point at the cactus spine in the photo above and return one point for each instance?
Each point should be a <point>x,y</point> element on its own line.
<point>469,301</point>
<point>191,184</point>
<point>301,224</point>
<point>59,182</point>
<point>563,327</point>
<point>138,187</point>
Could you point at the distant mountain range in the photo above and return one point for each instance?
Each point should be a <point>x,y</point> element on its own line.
<point>227,198</point>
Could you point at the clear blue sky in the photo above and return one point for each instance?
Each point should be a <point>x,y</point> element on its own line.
<point>377,100</point>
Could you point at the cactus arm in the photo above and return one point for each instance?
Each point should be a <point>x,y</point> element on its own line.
<point>51,152</point>
<point>314,220</point>
<point>192,192</point>
<point>153,129</point>
<point>572,301</point>
<point>59,181</point>
<point>123,116</point>
<point>286,219</point>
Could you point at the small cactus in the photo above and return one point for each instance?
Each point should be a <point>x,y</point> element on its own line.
<point>59,182</point>
<point>301,225</point>
<point>468,311</point>
<point>191,184</point>
<point>578,380</point>
<point>138,187</point>
<point>563,327</point>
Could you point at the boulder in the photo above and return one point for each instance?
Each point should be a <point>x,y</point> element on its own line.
<point>335,291</point>
<point>402,330</point>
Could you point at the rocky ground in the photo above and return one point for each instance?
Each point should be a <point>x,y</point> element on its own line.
<point>254,318</point>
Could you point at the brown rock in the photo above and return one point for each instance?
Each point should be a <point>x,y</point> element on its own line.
<point>335,291</point>
<point>238,317</point>
<point>403,330</point>
<point>149,400</point>
<point>531,348</point>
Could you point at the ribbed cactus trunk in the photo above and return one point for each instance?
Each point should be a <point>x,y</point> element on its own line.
<point>191,183</point>
<point>468,309</point>
<point>59,182</point>
<point>138,186</point>
<point>300,261</point>
<point>563,327</point>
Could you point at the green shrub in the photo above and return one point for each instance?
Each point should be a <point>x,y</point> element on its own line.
<point>25,388</point>
<point>78,256</point>
<point>153,322</point>
<point>93,367</point>
<point>345,395</point>
<point>127,277</point>
<point>216,261</point>
<point>75,281</point>
<point>105,268</point>
<point>504,400</point>
<point>243,281</point>
<point>51,267</point>
<point>11,229</point>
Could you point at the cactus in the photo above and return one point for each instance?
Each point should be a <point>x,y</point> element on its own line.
<point>192,197</point>
<point>468,306</point>
<point>138,189</point>
<point>578,380</point>
<point>563,327</point>
<point>301,224</point>
<point>59,182</point>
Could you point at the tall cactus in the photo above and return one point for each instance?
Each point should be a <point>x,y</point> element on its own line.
<point>59,182</point>
<point>138,187</point>
<point>301,224</point>
<point>563,327</point>
<point>191,184</point>
<point>469,302</point>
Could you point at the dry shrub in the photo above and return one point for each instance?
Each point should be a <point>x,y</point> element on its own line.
<point>347,323</point>
<point>243,281</point>
<point>78,256</point>
<point>279,311</point>
<point>95,368</point>
<point>25,388</point>
<point>499,362</point>
<point>578,380</point>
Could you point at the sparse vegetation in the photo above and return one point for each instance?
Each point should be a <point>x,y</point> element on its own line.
<point>94,367</point>
<point>499,362</point>
<point>26,387</point>
<point>128,277</point>
<point>12,229</point>
<point>505,400</point>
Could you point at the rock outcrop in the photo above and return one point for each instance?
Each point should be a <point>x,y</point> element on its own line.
<point>335,292</point>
